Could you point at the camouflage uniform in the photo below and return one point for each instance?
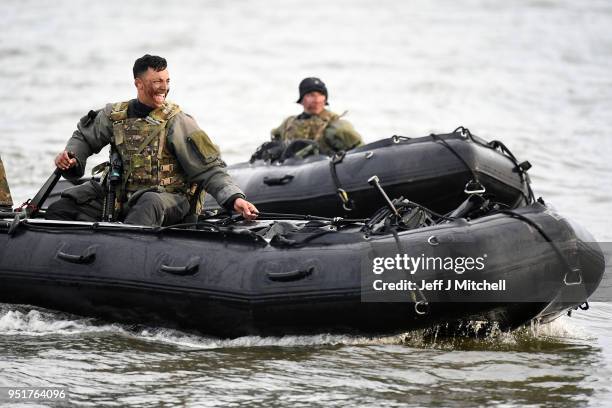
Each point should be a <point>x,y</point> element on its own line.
<point>5,193</point>
<point>328,129</point>
<point>165,157</point>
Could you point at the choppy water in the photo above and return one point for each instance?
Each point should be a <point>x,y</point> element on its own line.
<point>561,364</point>
<point>532,73</point>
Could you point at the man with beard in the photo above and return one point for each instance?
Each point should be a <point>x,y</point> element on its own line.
<point>168,162</point>
<point>329,130</point>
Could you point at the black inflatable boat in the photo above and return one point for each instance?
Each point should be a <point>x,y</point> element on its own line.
<point>437,171</point>
<point>230,278</point>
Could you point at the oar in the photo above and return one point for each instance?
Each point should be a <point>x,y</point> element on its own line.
<point>32,206</point>
<point>39,199</point>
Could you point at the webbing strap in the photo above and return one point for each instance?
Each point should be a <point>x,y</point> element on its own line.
<point>168,180</point>
<point>162,144</point>
<point>418,291</point>
<point>142,146</point>
<point>347,203</point>
<point>149,139</point>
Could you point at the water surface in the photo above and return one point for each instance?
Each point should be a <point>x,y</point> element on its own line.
<point>532,73</point>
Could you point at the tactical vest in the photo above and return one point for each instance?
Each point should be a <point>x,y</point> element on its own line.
<point>312,128</point>
<point>141,143</point>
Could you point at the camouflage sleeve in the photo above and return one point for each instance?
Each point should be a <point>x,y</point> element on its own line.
<point>279,132</point>
<point>200,158</point>
<point>341,135</point>
<point>94,131</point>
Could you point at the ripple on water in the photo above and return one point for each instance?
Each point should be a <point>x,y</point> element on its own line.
<point>539,82</point>
<point>109,363</point>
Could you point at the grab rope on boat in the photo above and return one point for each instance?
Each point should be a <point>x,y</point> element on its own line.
<point>347,203</point>
<point>473,186</point>
<point>570,271</point>
<point>212,226</point>
<point>296,217</point>
<point>521,168</point>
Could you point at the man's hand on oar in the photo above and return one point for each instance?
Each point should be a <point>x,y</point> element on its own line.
<point>65,160</point>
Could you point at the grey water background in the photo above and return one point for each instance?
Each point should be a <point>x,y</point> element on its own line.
<point>532,73</point>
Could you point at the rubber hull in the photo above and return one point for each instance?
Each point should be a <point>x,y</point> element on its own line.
<point>424,170</point>
<point>234,282</point>
<point>430,171</point>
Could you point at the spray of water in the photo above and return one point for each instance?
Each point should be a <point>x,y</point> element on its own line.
<point>28,321</point>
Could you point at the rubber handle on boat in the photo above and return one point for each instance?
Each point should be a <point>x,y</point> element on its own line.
<point>278,181</point>
<point>291,275</point>
<point>88,256</point>
<point>191,268</point>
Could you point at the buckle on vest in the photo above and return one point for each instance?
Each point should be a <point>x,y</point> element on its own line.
<point>167,167</point>
<point>152,121</point>
<point>166,181</point>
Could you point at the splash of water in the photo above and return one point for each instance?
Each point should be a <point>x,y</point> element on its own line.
<point>27,321</point>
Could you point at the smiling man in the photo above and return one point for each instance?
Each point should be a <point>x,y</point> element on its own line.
<point>167,160</point>
<point>329,130</point>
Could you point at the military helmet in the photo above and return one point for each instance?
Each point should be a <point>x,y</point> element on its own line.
<point>312,84</point>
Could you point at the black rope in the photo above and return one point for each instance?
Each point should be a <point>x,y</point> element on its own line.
<point>60,228</point>
<point>196,224</point>
<point>465,131</point>
<point>454,152</point>
<point>302,217</point>
<point>347,203</point>
<point>495,144</point>
<point>544,235</point>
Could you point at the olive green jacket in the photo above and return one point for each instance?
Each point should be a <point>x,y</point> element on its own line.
<point>329,129</point>
<point>201,165</point>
